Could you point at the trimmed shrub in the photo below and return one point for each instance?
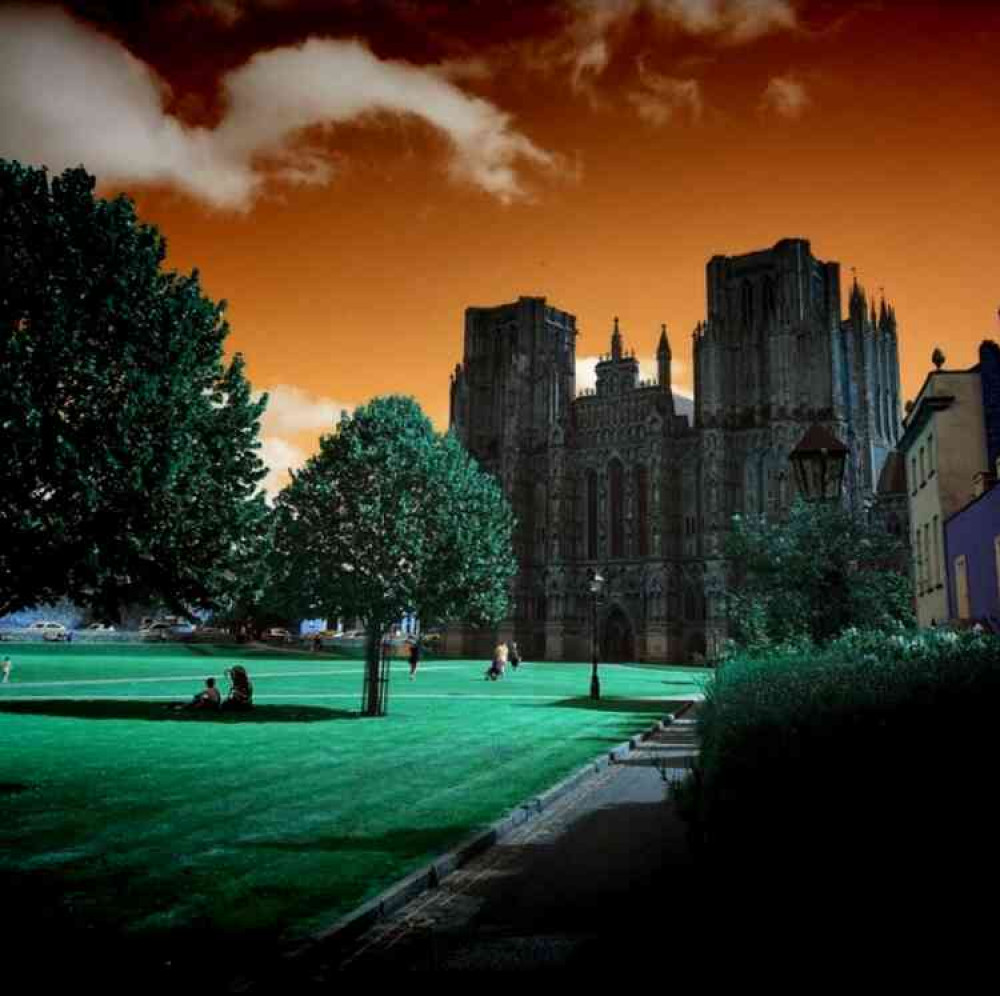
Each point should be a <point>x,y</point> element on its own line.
<point>860,758</point>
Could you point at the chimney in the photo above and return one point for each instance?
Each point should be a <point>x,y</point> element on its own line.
<point>982,481</point>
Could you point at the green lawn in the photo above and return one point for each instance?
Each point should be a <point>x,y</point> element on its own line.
<point>122,817</point>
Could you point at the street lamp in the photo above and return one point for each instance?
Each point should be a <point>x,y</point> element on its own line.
<point>596,585</point>
<point>819,461</point>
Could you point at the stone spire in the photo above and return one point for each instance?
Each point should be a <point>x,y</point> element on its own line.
<point>663,359</point>
<point>616,342</point>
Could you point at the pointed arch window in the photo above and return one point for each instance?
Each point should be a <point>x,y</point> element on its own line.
<point>641,510</point>
<point>746,297</point>
<point>616,508</point>
<point>694,603</point>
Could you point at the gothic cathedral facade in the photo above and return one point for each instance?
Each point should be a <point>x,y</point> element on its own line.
<point>616,479</point>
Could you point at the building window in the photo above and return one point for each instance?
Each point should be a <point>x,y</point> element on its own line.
<point>591,515</point>
<point>923,469</point>
<point>642,510</point>
<point>913,474</point>
<point>930,455</point>
<point>932,567</point>
<point>925,557</point>
<point>918,560</point>
<point>616,508</point>
<point>961,588</point>
<point>936,530</point>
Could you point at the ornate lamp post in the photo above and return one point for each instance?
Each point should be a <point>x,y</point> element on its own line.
<point>596,585</point>
<point>819,461</point>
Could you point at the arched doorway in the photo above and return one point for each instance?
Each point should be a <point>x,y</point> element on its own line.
<point>696,647</point>
<point>617,640</point>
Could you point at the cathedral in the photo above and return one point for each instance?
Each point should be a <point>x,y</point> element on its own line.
<point>619,480</point>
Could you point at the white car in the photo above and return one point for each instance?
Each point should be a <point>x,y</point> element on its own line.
<point>278,634</point>
<point>49,630</point>
<point>100,628</point>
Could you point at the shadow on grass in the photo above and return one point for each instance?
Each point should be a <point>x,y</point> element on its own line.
<point>159,711</point>
<point>410,843</point>
<point>655,707</point>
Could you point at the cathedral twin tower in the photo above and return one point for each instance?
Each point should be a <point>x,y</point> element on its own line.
<point>617,480</point>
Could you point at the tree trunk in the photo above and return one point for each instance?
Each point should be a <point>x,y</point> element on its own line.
<point>375,698</point>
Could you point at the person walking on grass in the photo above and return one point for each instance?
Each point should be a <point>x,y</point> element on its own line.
<point>414,658</point>
<point>515,655</point>
<point>496,668</point>
<point>6,667</point>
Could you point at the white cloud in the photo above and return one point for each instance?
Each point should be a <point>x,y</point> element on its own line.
<point>786,96</point>
<point>279,456</point>
<point>290,409</point>
<point>734,21</point>
<point>661,97</point>
<point>730,22</point>
<point>586,372</point>
<point>69,95</point>
<point>590,60</point>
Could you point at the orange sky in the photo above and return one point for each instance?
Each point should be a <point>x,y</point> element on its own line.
<point>884,155</point>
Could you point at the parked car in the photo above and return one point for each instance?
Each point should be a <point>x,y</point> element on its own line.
<point>100,628</point>
<point>49,630</point>
<point>149,621</point>
<point>278,634</point>
<point>210,631</point>
<point>156,630</point>
<point>162,629</point>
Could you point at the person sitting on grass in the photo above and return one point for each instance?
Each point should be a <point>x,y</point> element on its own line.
<point>6,667</point>
<point>208,698</point>
<point>240,690</point>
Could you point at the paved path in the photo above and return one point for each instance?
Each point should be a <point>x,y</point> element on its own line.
<point>555,891</point>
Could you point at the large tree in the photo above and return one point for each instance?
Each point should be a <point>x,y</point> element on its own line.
<point>390,517</point>
<point>128,445</point>
<point>812,575</point>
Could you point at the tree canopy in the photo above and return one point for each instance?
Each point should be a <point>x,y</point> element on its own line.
<point>812,575</point>
<point>390,517</point>
<point>129,466</point>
